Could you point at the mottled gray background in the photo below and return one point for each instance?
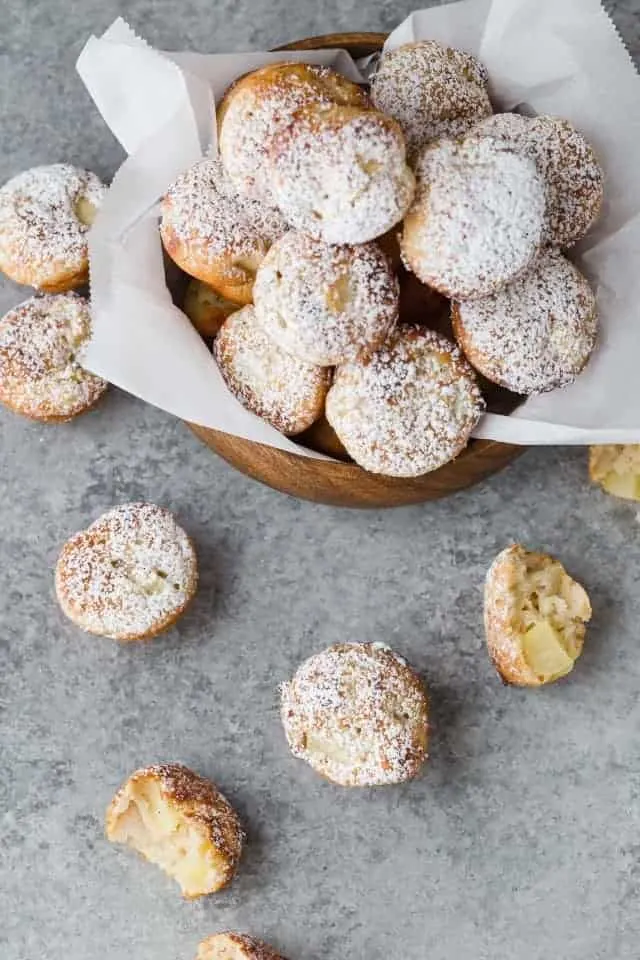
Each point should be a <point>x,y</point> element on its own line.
<point>521,842</point>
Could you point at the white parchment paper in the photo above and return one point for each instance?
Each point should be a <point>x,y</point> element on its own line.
<point>561,57</point>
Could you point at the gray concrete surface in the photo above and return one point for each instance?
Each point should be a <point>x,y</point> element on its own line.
<point>521,842</point>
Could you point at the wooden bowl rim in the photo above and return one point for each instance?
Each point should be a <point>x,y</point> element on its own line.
<point>329,40</point>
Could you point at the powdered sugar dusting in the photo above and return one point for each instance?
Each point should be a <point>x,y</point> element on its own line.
<point>129,575</point>
<point>410,408</point>
<point>479,217</point>
<point>358,715</point>
<point>537,333</point>
<point>325,304</point>
<point>259,105</point>
<point>431,90</point>
<point>41,344</point>
<point>568,164</point>
<point>43,241</point>
<point>204,220</point>
<point>285,391</point>
<point>340,174</point>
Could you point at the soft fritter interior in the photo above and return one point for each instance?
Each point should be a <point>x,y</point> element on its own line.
<point>206,308</point>
<point>325,751</point>
<point>221,947</point>
<point>248,264</point>
<point>553,609</point>
<point>85,211</point>
<point>339,294</point>
<point>617,470</point>
<point>156,828</point>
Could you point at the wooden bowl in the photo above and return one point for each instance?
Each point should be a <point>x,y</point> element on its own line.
<point>343,483</point>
